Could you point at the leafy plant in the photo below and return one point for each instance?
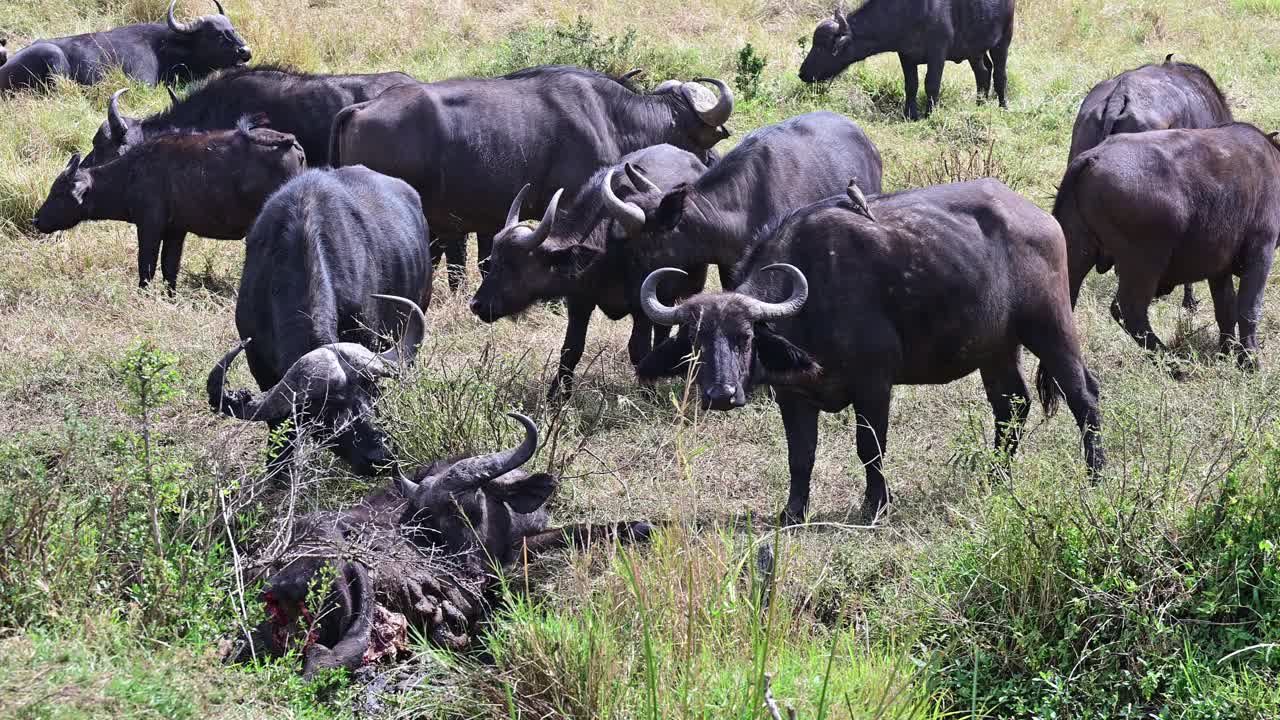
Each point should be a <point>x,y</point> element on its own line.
<point>748,71</point>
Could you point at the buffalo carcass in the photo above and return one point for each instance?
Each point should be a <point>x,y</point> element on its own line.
<point>848,297</point>
<point>209,183</point>
<point>773,171</point>
<point>151,53</point>
<point>1152,97</point>
<point>298,103</point>
<point>921,32</point>
<point>469,145</point>
<point>324,249</point>
<point>426,553</point>
<point>1170,207</point>
<point>576,254</point>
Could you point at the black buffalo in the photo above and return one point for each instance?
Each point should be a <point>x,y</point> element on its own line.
<point>147,52</point>
<point>916,288</point>
<point>1152,97</point>
<point>324,246</point>
<point>576,254</point>
<point>298,103</point>
<point>210,183</point>
<point>773,171</point>
<point>1170,207</point>
<point>921,32</point>
<point>469,145</point>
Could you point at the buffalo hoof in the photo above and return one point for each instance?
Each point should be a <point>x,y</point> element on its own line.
<point>1247,360</point>
<point>793,514</point>
<point>874,509</point>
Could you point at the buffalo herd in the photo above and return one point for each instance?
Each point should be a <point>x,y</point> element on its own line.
<point>349,189</point>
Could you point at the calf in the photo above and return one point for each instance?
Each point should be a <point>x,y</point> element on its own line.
<point>211,183</point>
<point>921,32</point>
<point>578,254</point>
<point>917,288</point>
<point>1170,207</point>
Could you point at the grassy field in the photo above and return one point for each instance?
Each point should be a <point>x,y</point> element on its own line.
<point>1153,594</point>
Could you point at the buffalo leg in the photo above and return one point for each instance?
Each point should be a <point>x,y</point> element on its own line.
<point>575,340</point>
<point>641,342</point>
<point>660,334</point>
<point>1223,291</point>
<point>981,65</point>
<point>171,256</point>
<point>910,86</point>
<point>933,81</point>
<point>583,536</point>
<point>1130,309</point>
<point>1010,401</point>
<point>800,422</point>
<point>871,402</point>
<point>999,72</point>
<point>1062,368</point>
<point>484,247</point>
<point>453,248</point>
<point>149,240</point>
<point>1253,284</point>
<point>1189,301</point>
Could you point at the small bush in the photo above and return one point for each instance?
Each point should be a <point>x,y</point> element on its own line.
<point>749,71</point>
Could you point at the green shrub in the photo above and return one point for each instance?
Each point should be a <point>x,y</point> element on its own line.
<point>749,71</point>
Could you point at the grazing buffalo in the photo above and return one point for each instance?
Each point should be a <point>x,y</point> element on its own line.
<point>917,288</point>
<point>1152,97</point>
<point>921,32</point>
<point>469,145</point>
<point>298,103</point>
<point>1170,207</point>
<point>426,553</point>
<point>209,183</point>
<point>325,246</point>
<point>575,254</point>
<point>147,52</point>
<point>773,171</point>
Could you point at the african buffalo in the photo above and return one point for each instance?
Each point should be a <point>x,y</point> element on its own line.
<point>209,183</point>
<point>1170,207</point>
<point>469,145</point>
<point>324,246</point>
<point>916,288</point>
<point>575,254</point>
<point>298,103</point>
<point>773,171</point>
<point>1152,97</point>
<point>151,53</point>
<point>921,32</point>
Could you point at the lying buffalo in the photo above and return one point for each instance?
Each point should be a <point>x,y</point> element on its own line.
<point>773,171</point>
<point>872,299</point>
<point>1170,207</point>
<point>211,183</point>
<point>324,249</point>
<point>1152,97</point>
<point>921,32</point>
<point>302,104</point>
<point>425,554</point>
<point>147,52</point>
<point>469,145</point>
<point>576,254</point>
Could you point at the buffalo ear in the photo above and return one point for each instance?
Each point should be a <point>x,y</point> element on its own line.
<point>783,361</point>
<point>525,494</point>
<point>670,211</point>
<point>573,258</point>
<point>668,359</point>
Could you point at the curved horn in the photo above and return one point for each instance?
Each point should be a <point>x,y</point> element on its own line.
<point>220,10</point>
<point>537,237</point>
<point>720,113</point>
<point>653,307</point>
<point>666,85</point>
<point>407,348</point>
<point>242,404</point>
<point>408,488</point>
<point>513,215</point>
<point>841,20</point>
<point>761,310</point>
<point>628,213</point>
<point>173,96</point>
<point>115,122</point>
<point>473,472</point>
<point>642,183</point>
<point>631,75</point>
<point>176,26</point>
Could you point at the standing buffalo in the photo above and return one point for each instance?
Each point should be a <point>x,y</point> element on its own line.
<point>577,254</point>
<point>147,52</point>
<point>922,32</point>
<point>1152,97</point>
<point>469,145</point>
<point>917,288</point>
<point>1170,207</point>
<point>210,183</point>
<point>323,247</point>
<point>773,171</point>
<point>294,102</point>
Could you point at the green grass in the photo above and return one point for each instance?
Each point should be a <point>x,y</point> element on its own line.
<point>1033,595</point>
